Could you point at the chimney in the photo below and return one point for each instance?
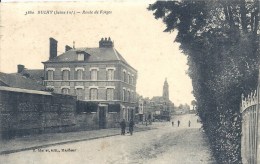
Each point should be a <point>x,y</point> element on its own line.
<point>53,48</point>
<point>67,48</point>
<point>106,43</point>
<point>20,68</point>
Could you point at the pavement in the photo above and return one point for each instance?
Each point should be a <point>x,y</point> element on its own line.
<point>45,140</point>
<point>162,144</point>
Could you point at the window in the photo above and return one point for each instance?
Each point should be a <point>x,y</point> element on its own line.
<point>132,80</point>
<point>93,94</point>
<point>93,74</point>
<point>124,113</point>
<point>127,114</point>
<point>79,74</point>
<point>79,93</point>
<point>124,76</point>
<point>80,57</point>
<point>65,75</point>
<point>124,95</point>
<point>110,74</point>
<point>129,96</point>
<point>110,94</point>
<point>50,74</point>
<point>65,91</point>
<point>128,79</point>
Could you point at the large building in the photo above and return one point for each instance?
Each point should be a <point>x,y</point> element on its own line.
<point>98,75</point>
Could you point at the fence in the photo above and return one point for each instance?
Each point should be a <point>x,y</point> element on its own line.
<point>250,133</point>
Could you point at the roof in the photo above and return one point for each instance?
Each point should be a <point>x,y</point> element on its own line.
<point>95,55</point>
<point>157,99</point>
<point>18,81</point>
<point>34,74</point>
<point>11,89</point>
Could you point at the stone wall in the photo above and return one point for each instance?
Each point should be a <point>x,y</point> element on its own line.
<point>25,112</point>
<point>28,112</point>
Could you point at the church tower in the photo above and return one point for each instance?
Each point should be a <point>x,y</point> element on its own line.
<point>165,90</point>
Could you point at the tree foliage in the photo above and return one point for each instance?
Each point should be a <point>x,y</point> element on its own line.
<point>221,41</point>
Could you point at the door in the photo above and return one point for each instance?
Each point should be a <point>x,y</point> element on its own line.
<point>102,117</point>
<point>131,114</point>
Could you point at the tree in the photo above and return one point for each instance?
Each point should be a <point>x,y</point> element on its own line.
<point>193,103</point>
<point>221,41</point>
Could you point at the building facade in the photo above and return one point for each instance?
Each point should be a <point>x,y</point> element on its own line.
<point>98,75</point>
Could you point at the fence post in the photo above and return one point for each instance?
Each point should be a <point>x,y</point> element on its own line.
<point>257,119</point>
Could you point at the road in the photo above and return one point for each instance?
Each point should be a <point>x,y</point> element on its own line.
<point>166,144</point>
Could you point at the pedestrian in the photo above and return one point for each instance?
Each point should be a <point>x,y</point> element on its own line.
<point>131,127</point>
<point>123,125</point>
<point>179,123</point>
<point>189,123</point>
<point>172,123</point>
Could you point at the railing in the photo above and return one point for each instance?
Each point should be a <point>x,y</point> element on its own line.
<point>249,139</point>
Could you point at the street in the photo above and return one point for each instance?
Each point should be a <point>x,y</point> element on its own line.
<point>166,144</point>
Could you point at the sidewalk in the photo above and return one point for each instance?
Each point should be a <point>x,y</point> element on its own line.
<point>51,139</point>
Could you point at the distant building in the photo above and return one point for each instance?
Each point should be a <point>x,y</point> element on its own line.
<point>34,74</point>
<point>183,109</point>
<point>159,107</point>
<point>99,75</point>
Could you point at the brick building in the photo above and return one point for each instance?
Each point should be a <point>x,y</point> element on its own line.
<point>99,75</point>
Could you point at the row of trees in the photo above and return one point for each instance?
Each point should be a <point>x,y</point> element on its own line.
<point>221,41</point>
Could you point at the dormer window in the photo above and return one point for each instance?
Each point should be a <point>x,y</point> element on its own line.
<point>81,57</point>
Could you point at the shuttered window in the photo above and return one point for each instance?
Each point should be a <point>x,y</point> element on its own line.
<point>110,74</point>
<point>50,74</point>
<point>79,93</point>
<point>65,75</point>
<point>93,94</point>
<point>94,74</point>
<point>79,74</point>
<point>110,94</point>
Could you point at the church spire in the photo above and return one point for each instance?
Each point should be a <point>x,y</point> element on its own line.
<point>166,90</point>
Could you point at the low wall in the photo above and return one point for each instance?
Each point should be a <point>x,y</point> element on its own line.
<point>86,121</point>
<point>113,120</point>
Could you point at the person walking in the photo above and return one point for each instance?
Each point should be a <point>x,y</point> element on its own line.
<point>123,125</point>
<point>172,123</point>
<point>189,123</point>
<point>131,127</point>
<point>179,123</point>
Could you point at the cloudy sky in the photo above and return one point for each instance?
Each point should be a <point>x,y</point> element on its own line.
<point>136,34</point>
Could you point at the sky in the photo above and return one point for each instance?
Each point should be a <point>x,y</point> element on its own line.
<point>137,35</point>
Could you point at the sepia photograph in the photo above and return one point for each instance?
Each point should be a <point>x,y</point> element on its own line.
<point>130,82</point>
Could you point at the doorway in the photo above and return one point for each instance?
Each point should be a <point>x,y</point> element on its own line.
<point>102,117</point>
